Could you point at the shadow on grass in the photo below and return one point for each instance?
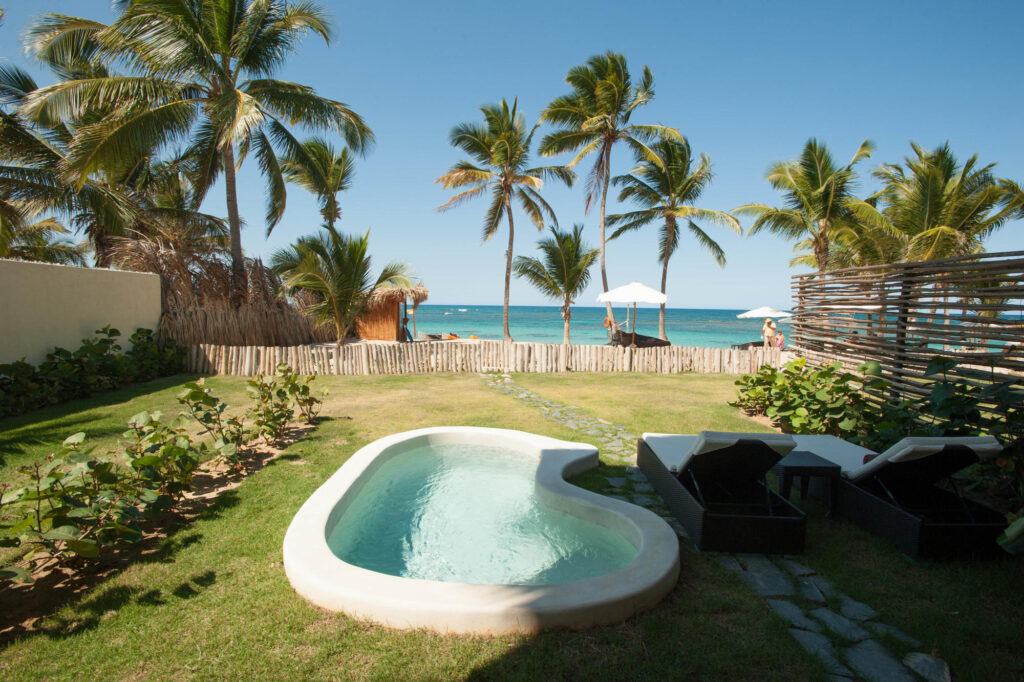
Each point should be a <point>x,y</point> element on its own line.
<point>51,425</point>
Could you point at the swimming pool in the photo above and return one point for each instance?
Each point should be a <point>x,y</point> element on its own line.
<point>476,530</point>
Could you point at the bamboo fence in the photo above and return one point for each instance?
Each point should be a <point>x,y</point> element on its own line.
<point>472,356</point>
<point>968,309</point>
<point>244,326</point>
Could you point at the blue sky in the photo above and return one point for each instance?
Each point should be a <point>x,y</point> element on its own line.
<point>747,82</point>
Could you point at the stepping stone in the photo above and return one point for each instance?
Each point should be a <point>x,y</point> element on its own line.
<point>793,614</point>
<point>823,585</point>
<point>729,562</point>
<point>619,497</point>
<point>679,529</point>
<point>645,501</point>
<point>821,647</point>
<point>842,626</point>
<point>767,580</point>
<point>810,591</point>
<point>874,663</point>
<point>797,569</point>
<point>930,668</point>
<point>642,488</point>
<point>894,632</point>
<point>616,481</point>
<point>638,476</point>
<point>632,470</point>
<point>851,608</point>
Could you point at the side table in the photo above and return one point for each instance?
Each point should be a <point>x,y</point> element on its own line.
<point>805,465</point>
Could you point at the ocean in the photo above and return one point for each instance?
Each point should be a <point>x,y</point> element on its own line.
<point>543,324</point>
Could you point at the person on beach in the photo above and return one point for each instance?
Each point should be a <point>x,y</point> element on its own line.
<point>780,340</point>
<point>768,332</point>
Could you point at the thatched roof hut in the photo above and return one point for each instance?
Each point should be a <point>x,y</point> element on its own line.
<point>382,320</point>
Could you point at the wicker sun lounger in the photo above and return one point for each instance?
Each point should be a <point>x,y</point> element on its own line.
<point>714,484</point>
<point>894,494</point>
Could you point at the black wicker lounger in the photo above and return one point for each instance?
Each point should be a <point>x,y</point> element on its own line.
<point>893,495</point>
<point>714,484</point>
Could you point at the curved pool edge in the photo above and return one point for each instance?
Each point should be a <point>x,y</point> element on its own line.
<point>329,582</point>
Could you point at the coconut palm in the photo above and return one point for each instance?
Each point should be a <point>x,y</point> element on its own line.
<point>667,191</point>
<point>334,270</point>
<point>500,148</point>
<point>564,271</point>
<point>937,207</point>
<point>331,172</point>
<point>42,240</point>
<point>201,72</point>
<point>593,118</point>
<point>818,198</point>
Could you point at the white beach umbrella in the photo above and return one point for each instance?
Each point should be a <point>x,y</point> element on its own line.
<point>634,293</point>
<point>764,311</point>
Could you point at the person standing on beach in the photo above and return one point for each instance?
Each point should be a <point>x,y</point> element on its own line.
<point>768,332</point>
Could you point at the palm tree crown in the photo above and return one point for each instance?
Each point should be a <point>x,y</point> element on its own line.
<point>331,172</point>
<point>666,191</point>
<point>202,72</point>
<point>593,118</point>
<point>564,271</point>
<point>818,198</point>
<point>500,149</point>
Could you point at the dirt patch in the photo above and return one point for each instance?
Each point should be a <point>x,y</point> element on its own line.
<point>24,608</point>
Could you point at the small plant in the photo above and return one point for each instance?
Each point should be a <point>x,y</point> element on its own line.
<point>161,452</point>
<point>298,387</point>
<point>272,410</point>
<point>229,434</point>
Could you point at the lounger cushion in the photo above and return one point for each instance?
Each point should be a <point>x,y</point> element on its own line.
<point>675,450</point>
<point>848,456</point>
<point>917,447</point>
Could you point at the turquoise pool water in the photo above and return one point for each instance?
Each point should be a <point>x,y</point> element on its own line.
<point>468,513</point>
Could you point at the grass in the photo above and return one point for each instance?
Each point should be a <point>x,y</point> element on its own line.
<point>215,602</point>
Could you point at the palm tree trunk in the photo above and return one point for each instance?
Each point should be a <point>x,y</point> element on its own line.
<point>566,315</point>
<point>661,312</point>
<point>508,269</point>
<point>821,246</point>
<point>604,200</point>
<point>239,287</point>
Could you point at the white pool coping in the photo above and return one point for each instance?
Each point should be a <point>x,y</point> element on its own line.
<point>327,581</point>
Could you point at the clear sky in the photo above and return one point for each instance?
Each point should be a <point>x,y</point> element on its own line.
<point>747,82</point>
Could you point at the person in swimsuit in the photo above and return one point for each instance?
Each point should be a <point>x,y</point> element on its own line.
<point>768,332</point>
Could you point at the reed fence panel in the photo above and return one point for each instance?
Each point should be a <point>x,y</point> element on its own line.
<point>426,357</point>
<point>249,325</point>
<point>968,309</point>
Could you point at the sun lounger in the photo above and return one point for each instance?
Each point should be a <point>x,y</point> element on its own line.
<point>894,494</point>
<point>714,484</point>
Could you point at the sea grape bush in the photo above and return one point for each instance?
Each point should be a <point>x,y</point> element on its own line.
<point>76,505</point>
<point>97,366</point>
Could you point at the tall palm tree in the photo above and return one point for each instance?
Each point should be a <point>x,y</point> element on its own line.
<point>593,118</point>
<point>817,195</point>
<point>202,72</point>
<point>500,148</point>
<point>667,191</point>
<point>330,174</point>
<point>564,271</point>
<point>42,240</point>
<point>937,207</point>
<point>336,271</point>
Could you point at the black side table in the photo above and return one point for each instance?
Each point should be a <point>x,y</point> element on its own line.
<point>805,465</point>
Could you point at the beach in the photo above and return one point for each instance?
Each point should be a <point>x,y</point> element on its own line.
<point>543,324</point>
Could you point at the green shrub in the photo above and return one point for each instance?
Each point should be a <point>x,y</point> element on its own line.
<point>229,433</point>
<point>298,387</point>
<point>97,366</point>
<point>272,409</point>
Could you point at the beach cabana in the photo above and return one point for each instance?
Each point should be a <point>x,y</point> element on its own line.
<point>714,483</point>
<point>895,494</point>
<point>382,319</point>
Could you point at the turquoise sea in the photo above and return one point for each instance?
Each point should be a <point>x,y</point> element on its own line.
<point>684,326</point>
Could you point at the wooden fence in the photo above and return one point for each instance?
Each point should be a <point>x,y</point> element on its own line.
<point>472,356</point>
<point>967,309</point>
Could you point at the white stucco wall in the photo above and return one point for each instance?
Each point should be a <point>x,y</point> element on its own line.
<point>43,306</point>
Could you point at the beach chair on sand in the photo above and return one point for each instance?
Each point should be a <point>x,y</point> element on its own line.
<point>894,494</point>
<point>714,483</point>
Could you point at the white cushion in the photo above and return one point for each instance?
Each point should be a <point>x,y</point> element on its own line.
<point>848,456</point>
<point>918,447</point>
<point>675,451</point>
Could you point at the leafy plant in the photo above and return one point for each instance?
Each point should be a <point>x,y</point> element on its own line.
<point>272,410</point>
<point>229,434</point>
<point>162,453</point>
<point>298,387</point>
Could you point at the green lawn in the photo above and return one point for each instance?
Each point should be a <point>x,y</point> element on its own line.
<point>214,602</point>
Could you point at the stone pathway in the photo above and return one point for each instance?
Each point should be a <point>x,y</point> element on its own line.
<point>839,630</point>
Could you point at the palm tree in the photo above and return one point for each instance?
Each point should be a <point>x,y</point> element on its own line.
<point>330,174</point>
<point>817,198</point>
<point>667,191</point>
<point>203,74</point>
<point>593,118</point>
<point>936,207</point>
<point>334,270</point>
<point>43,240</point>
<point>500,148</point>
<point>564,271</point>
